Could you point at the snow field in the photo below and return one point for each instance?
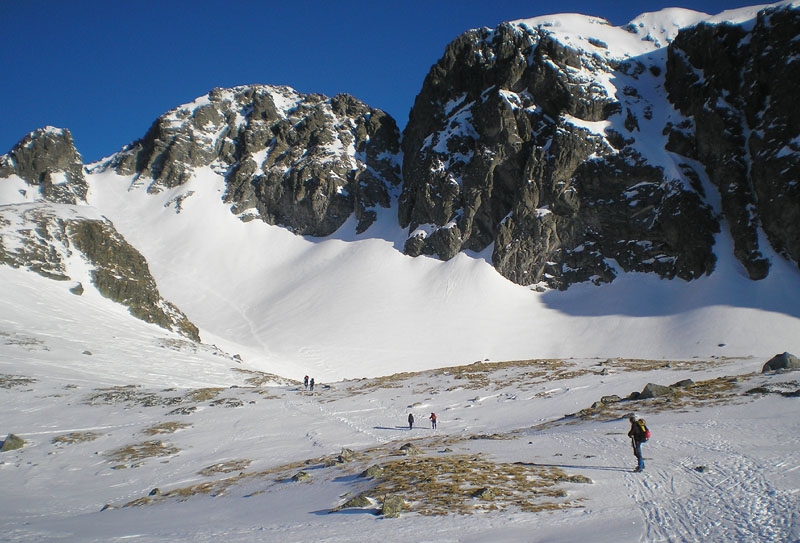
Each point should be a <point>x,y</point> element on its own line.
<point>258,437</point>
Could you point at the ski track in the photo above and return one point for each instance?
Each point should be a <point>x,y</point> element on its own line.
<point>731,501</point>
<point>309,402</point>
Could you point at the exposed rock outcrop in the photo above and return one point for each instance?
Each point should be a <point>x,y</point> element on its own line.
<point>303,161</point>
<point>12,442</point>
<point>652,390</point>
<point>48,162</point>
<point>784,361</point>
<point>393,505</point>
<point>737,87</point>
<point>514,141</point>
<point>45,237</point>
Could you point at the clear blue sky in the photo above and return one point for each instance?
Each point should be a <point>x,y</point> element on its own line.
<point>107,69</point>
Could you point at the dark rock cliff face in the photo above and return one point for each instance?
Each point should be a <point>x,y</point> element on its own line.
<point>121,274</point>
<point>306,162</point>
<point>739,87</point>
<point>50,224</point>
<point>496,151</point>
<point>516,143</point>
<point>43,237</point>
<point>47,160</point>
<point>568,157</point>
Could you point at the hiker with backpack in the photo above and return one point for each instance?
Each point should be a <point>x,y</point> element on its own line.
<point>433,421</point>
<point>639,434</point>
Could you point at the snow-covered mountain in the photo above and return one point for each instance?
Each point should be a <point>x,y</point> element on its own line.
<point>268,219</point>
<point>264,223</point>
<point>304,162</point>
<point>573,148</point>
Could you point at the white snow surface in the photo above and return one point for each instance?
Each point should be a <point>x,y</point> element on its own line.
<point>348,307</point>
<point>60,353</point>
<point>352,306</point>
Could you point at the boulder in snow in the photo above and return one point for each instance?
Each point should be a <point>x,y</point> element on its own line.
<point>300,476</point>
<point>783,361</point>
<point>11,443</point>
<point>409,449</point>
<point>358,502</point>
<point>651,390</point>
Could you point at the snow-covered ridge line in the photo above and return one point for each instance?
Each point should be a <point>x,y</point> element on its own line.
<point>644,34</point>
<point>648,31</point>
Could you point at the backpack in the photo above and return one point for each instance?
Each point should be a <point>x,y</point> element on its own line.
<point>643,430</point>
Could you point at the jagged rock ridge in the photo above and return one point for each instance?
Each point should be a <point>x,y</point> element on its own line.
<point>46,230</point>
<point>306,162</point>
<point>737,87</point>
<point>549,145</point>
<point>48,162</point>
<point>569,148</point>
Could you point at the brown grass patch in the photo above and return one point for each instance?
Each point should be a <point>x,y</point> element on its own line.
<point>226,467</point>
<point>74,437</point>
<point>169,427</point>
<point>788,389</point>
<point>131,395</point>
<point>485,374</point>
<point>181,494</point>
<point>260,378</point>
<point>717,391</point>
<point>639,364</point>
<point>11,381</point>
<point>26,342</point>
<point>134,455</point>
<point>479,375</point>
<point>464,484</point>
<point>441,485</point>
<point>203,394</point>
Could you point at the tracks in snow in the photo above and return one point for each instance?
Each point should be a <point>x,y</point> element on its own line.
<point>731,500</point>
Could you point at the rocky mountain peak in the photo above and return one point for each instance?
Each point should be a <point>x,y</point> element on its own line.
<point>573,149</point>
<point>46,161</point>
<point>562,148</point>
<point>303,161</point>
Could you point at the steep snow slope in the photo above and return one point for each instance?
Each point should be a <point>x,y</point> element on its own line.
<point>48,332</point>
<point>349,306</point>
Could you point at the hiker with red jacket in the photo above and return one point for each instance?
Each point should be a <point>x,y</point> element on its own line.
<point>638,434</point>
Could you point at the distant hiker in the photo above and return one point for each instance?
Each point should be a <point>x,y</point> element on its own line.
<point>311,384</point>
<point>433,420</point>
<point>305,382</point>
<point>410,421</point>
<point>638,434</point>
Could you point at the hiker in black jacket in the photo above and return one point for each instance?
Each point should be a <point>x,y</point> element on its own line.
<point>410,421</point>
<point>638,435</point>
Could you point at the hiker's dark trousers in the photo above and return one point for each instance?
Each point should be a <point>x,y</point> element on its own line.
<point>637,451</point>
